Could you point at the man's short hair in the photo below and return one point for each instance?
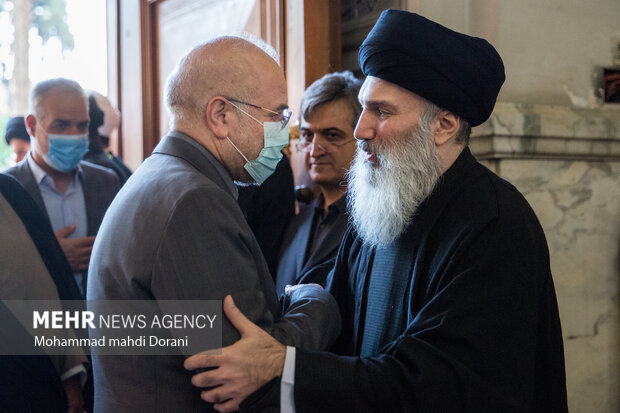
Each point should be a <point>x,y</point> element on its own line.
<point>42,88</point>
<point>329,88</point>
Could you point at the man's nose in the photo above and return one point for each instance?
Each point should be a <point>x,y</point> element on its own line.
<point>365,128</point>
<point>316,149</point>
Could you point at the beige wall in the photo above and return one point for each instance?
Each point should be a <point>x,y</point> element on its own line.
<point>546,44</point>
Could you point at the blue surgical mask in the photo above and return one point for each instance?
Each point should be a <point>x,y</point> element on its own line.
<point>65,151</point>
<point>276,138</point>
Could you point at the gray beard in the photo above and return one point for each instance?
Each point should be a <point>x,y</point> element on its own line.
<point>384,198</point>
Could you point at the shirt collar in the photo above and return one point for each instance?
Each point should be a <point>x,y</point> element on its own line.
<point>38,172</point>
<point>339,206</point>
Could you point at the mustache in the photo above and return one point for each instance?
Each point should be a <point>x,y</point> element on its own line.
<point>366,146</point>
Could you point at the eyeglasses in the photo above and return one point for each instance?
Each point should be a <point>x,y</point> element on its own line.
<point>307,141</point>
<point>283,116</point>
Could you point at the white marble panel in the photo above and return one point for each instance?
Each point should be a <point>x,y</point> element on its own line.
<point>578,204</point>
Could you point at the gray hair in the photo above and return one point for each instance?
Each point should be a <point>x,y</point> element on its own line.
<point>204,72</point>
<point>331,87</point>
<point>430,110</point>
<point>41,89</point>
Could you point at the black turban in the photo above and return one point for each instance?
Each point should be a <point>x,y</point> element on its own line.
<point>16,128</point>
<point>459,73</point>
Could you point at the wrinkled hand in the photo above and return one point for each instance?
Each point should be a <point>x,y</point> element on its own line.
<point>241,368</point>
<point>73,390</point>
<point>77,250</point>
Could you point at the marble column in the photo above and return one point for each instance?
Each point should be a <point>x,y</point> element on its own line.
<point>566,161</point>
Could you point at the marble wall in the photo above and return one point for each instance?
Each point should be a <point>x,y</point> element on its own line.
<point>566,162</point>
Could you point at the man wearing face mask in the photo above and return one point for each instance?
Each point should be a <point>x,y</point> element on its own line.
<point>74,194</point>
<point>176,232</point>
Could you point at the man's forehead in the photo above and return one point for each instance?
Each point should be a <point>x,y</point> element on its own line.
<point>332,114</point>
<point>66,105</point>
<point>375,88</point>
<point>381,92</point>
<point>272,90</point>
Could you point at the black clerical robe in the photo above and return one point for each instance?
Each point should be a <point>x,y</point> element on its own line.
<point>458,314</point>
<point>30,383</point>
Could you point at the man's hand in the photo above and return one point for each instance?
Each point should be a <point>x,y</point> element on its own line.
<point>240,369</point>
<point>77,250</point>
<point>74,394</point>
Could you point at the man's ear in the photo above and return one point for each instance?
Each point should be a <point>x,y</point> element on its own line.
<point>31,124</point>
<point>218,117</point>
<point>445,126</point>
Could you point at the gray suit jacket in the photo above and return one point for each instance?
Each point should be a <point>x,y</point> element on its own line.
<point>291,267</point>
<point>99,184</point>
<point>176,232</point>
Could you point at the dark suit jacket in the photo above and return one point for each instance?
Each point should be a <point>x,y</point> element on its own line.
<point>99,184</point>
<point>176,232</point>
<point>291,268</point>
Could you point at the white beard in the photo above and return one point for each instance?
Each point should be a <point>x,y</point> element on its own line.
<point>383,198</point>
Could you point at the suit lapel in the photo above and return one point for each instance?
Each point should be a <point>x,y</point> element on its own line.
<point>26,178</point>
<point>90,199</point>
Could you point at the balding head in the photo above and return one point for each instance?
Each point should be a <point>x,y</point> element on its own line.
<point>201,90</point>
<point>226,66</point>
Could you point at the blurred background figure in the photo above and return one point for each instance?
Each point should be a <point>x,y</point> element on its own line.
<point>17,138</point>
<point>108,131</point>
<point>96,152</point>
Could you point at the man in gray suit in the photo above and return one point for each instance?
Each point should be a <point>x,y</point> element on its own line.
<point>176,232</point>
<point>329,112</point>
<point>74,194</point>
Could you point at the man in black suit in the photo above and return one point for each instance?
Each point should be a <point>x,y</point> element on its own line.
<point>328,114</point>
<point>96,153</point>
<point>443,279</point>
